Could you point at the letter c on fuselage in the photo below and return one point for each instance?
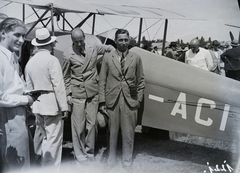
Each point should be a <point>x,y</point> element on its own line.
<point>202,101</point>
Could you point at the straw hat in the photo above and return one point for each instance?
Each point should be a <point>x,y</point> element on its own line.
<point>43,37</point>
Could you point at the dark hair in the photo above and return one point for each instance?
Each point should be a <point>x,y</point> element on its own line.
<point>9,24</point>
<point>121,31</point>
<point>215,43</point>
<point>173,44</point>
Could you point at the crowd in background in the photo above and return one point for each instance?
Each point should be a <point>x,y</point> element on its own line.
<point>221,57</point>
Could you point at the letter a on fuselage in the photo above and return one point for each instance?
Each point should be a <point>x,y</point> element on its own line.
<point>180,106</point>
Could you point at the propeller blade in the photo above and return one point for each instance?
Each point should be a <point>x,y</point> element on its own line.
<point>239,37</point>
<point>231,36</point>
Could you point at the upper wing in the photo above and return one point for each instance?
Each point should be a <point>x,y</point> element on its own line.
<point>121,10</point>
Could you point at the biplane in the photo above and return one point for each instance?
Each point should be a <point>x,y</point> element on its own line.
<point>177,97</point>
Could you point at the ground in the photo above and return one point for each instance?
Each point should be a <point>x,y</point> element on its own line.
<point>154,154</point>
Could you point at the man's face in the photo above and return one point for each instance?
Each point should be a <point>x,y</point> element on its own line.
<point>194,48</point>
<point>215,47</point>
<point>174,48</point>
<point>122,42</point>
<point>79,42</point>
<point>14,39</point>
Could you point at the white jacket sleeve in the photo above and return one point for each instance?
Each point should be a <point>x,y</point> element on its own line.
<point>10,100</point>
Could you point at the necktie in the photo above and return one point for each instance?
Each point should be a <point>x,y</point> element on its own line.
<point>83,53</point>
<point>122,62</point>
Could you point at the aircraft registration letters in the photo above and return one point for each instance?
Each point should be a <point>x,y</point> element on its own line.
<point>187,113</point>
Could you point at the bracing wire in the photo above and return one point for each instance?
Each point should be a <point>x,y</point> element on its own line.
<point>107,21</point>
<point>123,26</point>
<point>147,30</point>
<point>11,2</point>
<point>88,24</point>
<point>31,14</point>
<point>129,22</point>
<point>5,5</point>
<point>148,27</point>
<point>158,30</point>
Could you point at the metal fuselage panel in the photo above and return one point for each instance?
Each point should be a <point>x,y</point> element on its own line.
<point>182,98</point>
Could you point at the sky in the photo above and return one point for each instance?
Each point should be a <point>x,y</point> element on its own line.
<point>214,14</point>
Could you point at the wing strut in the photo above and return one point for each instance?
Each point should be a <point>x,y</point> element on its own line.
<point>84,20</point>
<point>65,20</point>
<point>23,15</point>
<point>140,32</point>
<point>52,22</point>
<point>93,24</point>
<point>38,16</point>
<point>239,37</point>
<point>165,35</point>
<point>63,16</point>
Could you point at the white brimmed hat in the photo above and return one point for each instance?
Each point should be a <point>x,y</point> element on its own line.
<point>43,37</point>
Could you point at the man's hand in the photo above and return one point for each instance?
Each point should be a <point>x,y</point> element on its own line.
<point>69,100</point>
<point>102,108</point>
<point>110,48</point>
<point>35,96</point>
<point>32,98</point>
<point>64,115</point>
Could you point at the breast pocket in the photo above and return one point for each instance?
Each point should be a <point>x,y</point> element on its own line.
<point>131,70</point>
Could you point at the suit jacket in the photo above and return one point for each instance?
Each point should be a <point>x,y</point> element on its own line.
<point>231,58</point>
<point>171,54</point>
<point>80,75</point>
<point>216,61</point>
<point>43,71</point>
<point>112,81</point>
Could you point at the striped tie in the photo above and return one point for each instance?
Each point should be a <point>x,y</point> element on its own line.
<point>122,63</point>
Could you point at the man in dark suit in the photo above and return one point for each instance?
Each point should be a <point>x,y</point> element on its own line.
<point>231,59</point>
<point>81,81</point>
<point>121,87</point>
<point>172,51</point>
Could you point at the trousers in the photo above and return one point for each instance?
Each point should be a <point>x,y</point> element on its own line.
<point>14,140</point>
<point>123,117</point>
<point>84,127</point>
<point>48,139</point>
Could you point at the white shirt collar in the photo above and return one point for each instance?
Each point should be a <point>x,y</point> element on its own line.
<point>124,53</point>
<point>7,52</point>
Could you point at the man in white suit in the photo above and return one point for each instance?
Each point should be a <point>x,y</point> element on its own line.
<point>43,72</point>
